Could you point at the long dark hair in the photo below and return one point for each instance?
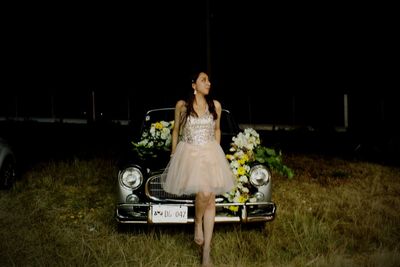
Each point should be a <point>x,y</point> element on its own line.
<point>189,102</point>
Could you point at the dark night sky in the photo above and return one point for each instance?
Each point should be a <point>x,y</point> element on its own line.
<point>150,48</point>
<point>252,43</point>
<point>102,46</point>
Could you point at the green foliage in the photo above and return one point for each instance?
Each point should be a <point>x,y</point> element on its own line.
<point>146,152</point>
<point>273,159</point>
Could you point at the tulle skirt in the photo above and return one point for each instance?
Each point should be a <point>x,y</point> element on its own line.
<point>198,168</point>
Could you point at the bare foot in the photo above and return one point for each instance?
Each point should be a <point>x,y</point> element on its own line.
<point>198,233</point>
<point>206,261</point>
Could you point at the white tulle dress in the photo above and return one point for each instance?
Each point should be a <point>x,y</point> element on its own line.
<point>199,163</point>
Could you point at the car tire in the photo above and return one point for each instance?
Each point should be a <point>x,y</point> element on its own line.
<point>7,173</point>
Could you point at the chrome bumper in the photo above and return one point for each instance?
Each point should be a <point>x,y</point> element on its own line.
<point>247,213</point>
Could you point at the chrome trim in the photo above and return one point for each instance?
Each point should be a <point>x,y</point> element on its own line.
<point>244,216</point>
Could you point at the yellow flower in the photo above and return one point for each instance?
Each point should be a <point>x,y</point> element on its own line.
<point>158,125</point>
<point>241,171</point>
<point>243,160</point>
<point>234,208</point>
<point>229,157</point>
<point>242,199</point>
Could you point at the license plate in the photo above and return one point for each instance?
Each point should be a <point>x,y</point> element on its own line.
<point>169,214</point>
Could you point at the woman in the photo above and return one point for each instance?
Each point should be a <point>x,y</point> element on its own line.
<point>198,164</point>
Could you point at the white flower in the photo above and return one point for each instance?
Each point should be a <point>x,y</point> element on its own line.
<point>242,147</point>
<point>239,154</point>
<point>165,133</point>
<point>243,179</point>
<point>164,123</point>
<point>235,164</point>
<point>157,136</point>
<point>153,131</point>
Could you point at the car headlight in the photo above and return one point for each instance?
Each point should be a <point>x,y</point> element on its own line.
<point>131,177</point>
<point>259,175</point>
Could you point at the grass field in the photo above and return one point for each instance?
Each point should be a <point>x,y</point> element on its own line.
<point>334,212</point>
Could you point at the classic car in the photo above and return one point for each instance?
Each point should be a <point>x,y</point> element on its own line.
<point>141,199</point>
<point>7,165</point>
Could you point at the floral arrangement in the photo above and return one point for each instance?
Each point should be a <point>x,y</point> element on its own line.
<point>157,137</point>
<point>246,149</point>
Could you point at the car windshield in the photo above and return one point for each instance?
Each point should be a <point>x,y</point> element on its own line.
<point>157,115</point>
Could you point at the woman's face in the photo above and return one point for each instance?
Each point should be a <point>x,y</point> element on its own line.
<point>202,84</point>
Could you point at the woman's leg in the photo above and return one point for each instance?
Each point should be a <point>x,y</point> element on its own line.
<point>208,222</point>
<point>201,202</point>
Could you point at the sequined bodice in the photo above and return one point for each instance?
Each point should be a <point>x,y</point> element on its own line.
<point>199,130</point>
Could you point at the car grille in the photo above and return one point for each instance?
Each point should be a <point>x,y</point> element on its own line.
<point>155,192</point>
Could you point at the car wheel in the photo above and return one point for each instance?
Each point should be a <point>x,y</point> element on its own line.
<point>7,173</point>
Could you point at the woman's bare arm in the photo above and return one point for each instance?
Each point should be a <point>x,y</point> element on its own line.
<point>179,108</point>
<point>218,109</point>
